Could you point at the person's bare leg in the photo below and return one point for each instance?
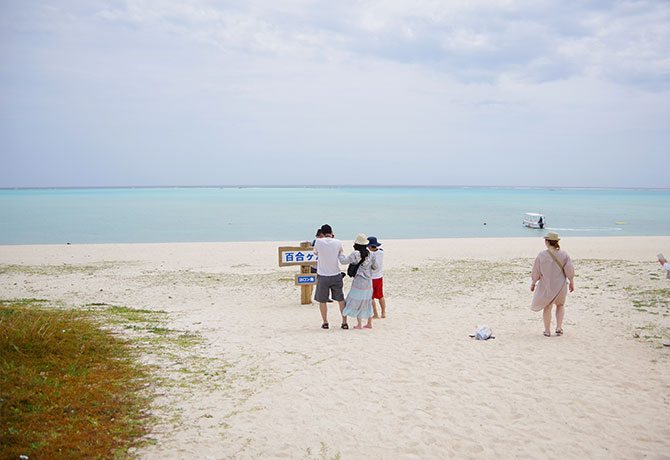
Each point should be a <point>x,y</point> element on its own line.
<point>324,311</point>
<point>359,325</point>
<point>374,308</point>
<point>546,316</point>
<point>382,303</point>
<point>369,323</point>
<point>342,305</point>
<point>560,314</point>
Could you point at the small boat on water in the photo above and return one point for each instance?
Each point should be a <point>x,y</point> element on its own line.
<point>534,220</point>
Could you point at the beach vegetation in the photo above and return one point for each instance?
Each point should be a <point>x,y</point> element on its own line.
<point>323,454</point>
<point>652,331</point>
<point>159,330</point>
<point>23,302</point>
<point>50,270</point>
<point>652,301</point>
<point>186,339</point>
<point>70,389</point>
<point>115,314</point>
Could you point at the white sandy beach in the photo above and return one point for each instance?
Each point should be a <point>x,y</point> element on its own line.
<point>265,381</point>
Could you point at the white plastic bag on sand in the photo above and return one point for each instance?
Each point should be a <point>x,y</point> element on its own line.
<point>483,333</point>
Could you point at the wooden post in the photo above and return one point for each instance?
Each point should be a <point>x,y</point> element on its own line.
<point>304,256</point>
<point>305,291</point>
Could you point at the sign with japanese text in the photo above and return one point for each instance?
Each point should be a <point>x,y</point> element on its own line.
<point>302,279</point>
<point>296,256</point>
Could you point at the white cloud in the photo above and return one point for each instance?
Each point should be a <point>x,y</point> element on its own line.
<point>465,87</point>
<point>621,41</point>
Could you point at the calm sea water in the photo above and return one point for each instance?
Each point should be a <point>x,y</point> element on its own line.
<point>292,214</point>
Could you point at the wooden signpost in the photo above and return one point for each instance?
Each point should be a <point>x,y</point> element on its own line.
<point>305,257</point>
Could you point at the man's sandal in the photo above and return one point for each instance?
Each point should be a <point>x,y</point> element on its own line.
<point>559,331</point>
<point>345,326</point>
<point>324,326</point>
<point>547,334</point>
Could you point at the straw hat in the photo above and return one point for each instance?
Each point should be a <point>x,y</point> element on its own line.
<point>551,236</point>
<point>361,239</point>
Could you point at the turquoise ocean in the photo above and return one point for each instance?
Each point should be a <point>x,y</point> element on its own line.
<point>292,214</point>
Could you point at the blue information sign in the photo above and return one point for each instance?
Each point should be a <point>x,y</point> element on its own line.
<point>305,279</point>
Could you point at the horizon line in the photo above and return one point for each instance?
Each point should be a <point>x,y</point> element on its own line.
<point>242,186</point>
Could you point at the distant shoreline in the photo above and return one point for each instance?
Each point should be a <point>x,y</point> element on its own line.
<point>429,187</point>
<point>473,243</point>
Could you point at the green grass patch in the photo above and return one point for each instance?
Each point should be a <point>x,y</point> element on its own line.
<point>23,302</point>
<point>653,301</point>
<point>68,388</point>
<point>118,314</point>
<point>323,454</point>
<point>50,270</point>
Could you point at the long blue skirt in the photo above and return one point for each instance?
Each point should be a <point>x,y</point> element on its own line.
<point>359,300</point>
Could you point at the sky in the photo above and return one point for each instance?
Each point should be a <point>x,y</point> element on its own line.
<point>312,92</point>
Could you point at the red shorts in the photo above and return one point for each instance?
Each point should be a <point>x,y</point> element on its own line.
<point>378,288</point>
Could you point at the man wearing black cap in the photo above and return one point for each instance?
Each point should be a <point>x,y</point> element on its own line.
<point>329,279</point>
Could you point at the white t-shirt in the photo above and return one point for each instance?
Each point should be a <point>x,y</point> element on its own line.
<point>379,255</point>
<point>328,250</point>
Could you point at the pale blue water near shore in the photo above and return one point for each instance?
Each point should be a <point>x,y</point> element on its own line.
<point>147,215</point>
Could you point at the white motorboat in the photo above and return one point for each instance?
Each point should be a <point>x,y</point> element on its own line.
<point>534,220</point>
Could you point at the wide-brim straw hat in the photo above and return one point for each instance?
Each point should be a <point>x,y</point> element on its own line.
<point>552,236</point>
<point>361,239</point>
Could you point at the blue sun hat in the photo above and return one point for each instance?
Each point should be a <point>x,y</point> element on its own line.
<point>372,242</point>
